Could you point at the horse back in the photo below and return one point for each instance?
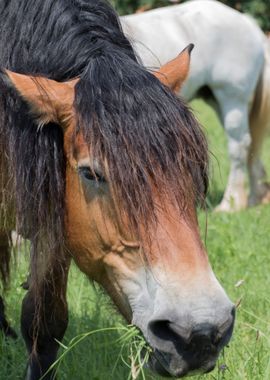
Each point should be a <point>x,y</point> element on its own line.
<point>228,44</point>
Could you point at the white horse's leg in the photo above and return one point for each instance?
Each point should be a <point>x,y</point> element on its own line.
<point>259,188</point>
<point>234,114</point>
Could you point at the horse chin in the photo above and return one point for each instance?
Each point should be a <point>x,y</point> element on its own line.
<point>155,366</point>
<point>162,366</point>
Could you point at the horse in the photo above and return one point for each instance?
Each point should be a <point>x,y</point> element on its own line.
<point>103,165</point>
<point>230,70</point>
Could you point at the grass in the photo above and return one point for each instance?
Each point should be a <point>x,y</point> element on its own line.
<point>103,348</point>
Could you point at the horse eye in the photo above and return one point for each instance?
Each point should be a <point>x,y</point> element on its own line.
<point>90,175</point>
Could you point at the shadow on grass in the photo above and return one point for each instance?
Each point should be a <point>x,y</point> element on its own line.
<point>110,353</point>
<point>101,355</point>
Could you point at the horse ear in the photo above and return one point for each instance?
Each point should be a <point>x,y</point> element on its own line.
<point>175,72</point>
<point>50,101</point>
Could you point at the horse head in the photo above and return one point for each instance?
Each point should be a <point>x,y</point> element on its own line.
<point>130,211</point>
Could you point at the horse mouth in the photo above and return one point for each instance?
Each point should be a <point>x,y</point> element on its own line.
<point>157,364</point>
<point>160,363</point>
<point>186,362</point>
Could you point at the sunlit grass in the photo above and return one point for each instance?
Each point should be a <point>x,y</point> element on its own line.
<point>129,341</point>
<point>99,346</point>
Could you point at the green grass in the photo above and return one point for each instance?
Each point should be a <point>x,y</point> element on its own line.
<point>238,246</point>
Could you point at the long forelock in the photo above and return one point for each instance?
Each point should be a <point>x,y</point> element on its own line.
<point>149,138</point>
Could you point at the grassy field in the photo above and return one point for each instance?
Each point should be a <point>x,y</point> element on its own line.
<point>238,246</point>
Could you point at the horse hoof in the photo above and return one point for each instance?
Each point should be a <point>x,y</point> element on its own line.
<point>266,196</point>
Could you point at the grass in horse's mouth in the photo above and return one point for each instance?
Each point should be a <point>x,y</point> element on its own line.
<point>130,339</point>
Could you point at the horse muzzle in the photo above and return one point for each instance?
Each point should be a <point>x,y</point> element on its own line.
<point>177,353</point>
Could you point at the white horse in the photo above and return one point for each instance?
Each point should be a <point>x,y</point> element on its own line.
<point>231,59</point>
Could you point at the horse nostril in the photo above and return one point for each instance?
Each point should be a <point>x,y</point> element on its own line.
<point>160,328</point>
<point>166,331</point>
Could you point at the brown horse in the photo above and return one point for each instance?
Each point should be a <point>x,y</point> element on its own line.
<point>106,169</point>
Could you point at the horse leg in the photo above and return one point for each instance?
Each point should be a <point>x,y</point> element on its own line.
<point>259,188</point>
<point>234,114</point>
<point>4,271</point>
<point>42,336</point>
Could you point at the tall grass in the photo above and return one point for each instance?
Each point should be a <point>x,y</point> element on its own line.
<point>99,346</point>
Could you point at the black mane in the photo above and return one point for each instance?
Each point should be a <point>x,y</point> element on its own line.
<point>57,38</point>
<point>146,134</point>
